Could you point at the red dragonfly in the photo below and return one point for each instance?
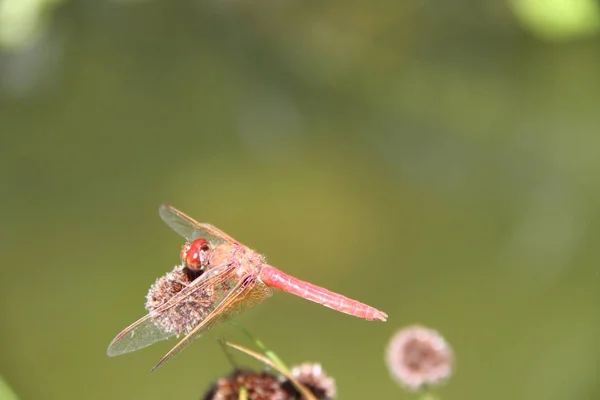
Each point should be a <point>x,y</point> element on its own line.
<point>218,277</point>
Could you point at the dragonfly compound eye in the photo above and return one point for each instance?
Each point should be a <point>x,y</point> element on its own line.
<point>194,254</point>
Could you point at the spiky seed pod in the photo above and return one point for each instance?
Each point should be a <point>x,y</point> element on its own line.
<point>183,317</point>
<point>259,386</point>
<point>314,378</point>
<point>417,356</point>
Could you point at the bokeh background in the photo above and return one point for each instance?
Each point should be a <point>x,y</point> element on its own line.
<point>437,160</point>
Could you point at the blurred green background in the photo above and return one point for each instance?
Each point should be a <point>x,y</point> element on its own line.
<point>437,160</point>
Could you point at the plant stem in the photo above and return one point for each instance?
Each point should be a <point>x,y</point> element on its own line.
<point>428,395</point>
<point>272,356</point>
<point>243,395</point>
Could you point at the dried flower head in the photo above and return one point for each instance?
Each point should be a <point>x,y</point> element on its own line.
<point>418,356</point>
<point>259,386</point>
<point>185,315</point>
<point>314,378</point>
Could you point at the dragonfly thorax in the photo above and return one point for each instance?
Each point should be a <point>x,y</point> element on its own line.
<point>244,261</point>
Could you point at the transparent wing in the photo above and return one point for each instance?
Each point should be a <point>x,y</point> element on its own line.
<point>143,334</point>
<point>191,229</point>
<point>245,295</point>
<point>220,280</point>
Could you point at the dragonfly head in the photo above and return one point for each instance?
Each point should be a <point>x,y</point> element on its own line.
<point>194,255</point>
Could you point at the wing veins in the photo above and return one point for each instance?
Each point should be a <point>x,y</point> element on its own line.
<point>244,285</point>
<point>216,274</point>
<point>189,228</point>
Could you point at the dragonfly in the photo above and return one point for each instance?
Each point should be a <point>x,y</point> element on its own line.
<point>218,277</point>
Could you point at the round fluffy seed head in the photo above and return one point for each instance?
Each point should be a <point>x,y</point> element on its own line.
<point>418,356</point>
<point>185,315</point>
<point>259,386</point>
<point>315,379</point>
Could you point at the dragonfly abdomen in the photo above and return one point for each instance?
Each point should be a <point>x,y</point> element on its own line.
<point>273,277</point>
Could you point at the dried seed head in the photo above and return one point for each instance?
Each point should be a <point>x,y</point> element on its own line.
<point>259,386</point>
<point>183,317</point>
<point>417,356</point>
<point>315,379</point>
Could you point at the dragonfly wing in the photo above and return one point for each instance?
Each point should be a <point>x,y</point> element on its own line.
<point>191,229</point>
<point>147,331</point>
<point>246,294</point>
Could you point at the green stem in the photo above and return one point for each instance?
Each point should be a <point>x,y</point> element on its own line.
<point>6,392</point>
<point>270,354</point>
<point>243,395</point>
<point>428,395</point>
<point>228,354</point>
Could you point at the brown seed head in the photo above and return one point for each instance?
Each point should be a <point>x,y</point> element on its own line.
<point>259,386</point>
<point>184,316</point>
<point>417,356</point>
<point>315,379</point>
